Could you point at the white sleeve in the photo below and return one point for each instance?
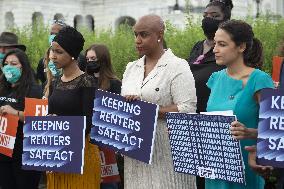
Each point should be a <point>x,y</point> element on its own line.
<point>183,89</point>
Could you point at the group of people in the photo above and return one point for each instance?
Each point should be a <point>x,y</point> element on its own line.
<point>222,73</point>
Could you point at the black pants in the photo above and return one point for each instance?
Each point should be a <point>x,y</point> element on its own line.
<point>13,177</point>
<point>200,182</point>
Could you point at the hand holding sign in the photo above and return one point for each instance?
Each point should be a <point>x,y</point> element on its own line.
<point>7,109</point>
<point>54,143</point>
<point>122,125</point>
<point>130,98</point>
<point>264,171</point>
<point>240,131</point>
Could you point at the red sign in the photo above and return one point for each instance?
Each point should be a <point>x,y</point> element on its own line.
<point>277,62</point>
<point>8,130</point>
<point>36,107</point>
<point>109,169</point>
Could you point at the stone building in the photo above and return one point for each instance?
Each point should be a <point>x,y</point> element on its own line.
<point>110,13</point>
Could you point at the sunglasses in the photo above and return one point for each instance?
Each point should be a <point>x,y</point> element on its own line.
<point>59,22</point>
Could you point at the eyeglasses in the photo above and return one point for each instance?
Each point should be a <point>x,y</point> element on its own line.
<point>59,22</point>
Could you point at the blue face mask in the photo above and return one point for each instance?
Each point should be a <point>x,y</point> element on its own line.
<point>54,71</point>
<point>12,73</point>
<point>1,57</point>
<point>51,38</point>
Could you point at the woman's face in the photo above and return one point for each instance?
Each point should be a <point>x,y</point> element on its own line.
<point>146,39</point>
<point>226,51</point>
<point>13,60</point>
<point>91,56</point>
<point>213,12</point>
<point>59,56</point>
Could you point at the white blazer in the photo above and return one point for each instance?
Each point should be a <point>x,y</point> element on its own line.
<point>170,82</point>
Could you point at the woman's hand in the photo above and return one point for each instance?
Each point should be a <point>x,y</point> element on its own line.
<point>165,109</point>
<point>51,115</point>
<point>7,109</point>
<point>130,98</point>
<point>264,171</point>
<point>240,131</point>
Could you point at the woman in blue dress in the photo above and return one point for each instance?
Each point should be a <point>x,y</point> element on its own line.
<point>238,88</point>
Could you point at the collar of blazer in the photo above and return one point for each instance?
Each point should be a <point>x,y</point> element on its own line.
<point>162,62</point>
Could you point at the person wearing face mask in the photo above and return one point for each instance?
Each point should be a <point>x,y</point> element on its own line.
<point>8,41</point>
<point>16,83</point>
<point>99,65</point>
<point>52,72</point>
<point>202,59</point>
<point>56,26</point>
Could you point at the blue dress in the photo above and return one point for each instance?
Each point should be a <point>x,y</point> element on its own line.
<point>229,94</point>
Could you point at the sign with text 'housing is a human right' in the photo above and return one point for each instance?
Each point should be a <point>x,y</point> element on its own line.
<point>202,145</point>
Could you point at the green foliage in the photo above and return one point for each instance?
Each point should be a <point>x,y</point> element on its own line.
<point>122,44</point>
<point>182,41</point>
<point>36,40</point>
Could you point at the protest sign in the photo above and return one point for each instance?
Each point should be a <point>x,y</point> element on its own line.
<point>109,169</point>
<point>202,145</point>
<point>54,143</point>
<point>270,144</point>
<point>36,107</point>
<point>127,127</point>
<point>276,65</point>
<point>8,131</point>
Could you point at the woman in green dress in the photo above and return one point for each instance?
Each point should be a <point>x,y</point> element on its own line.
<point>238,88</point>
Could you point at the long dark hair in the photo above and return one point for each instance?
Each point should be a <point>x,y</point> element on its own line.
<point>241,32</point>
<point>26,80</point>
<point>106,69</point>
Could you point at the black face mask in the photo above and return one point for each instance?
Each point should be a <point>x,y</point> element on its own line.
<point>210,26</point>
<point>93,67</point>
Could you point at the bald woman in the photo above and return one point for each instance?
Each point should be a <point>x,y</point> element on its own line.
<point>164,79</point>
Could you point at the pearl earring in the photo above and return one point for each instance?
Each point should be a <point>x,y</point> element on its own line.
<point>159,40</point>
<point>73,58</point>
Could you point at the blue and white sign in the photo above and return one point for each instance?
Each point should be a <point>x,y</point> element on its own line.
<point>270,144</point>
<point>127,127</point>
<point>202,145</point>
<point>54,143</point>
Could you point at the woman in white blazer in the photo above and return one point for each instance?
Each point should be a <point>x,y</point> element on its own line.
<point>164,79</point>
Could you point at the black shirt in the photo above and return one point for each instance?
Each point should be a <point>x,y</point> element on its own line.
<point>201,73</point>
<point>73,98</point>
<point>115,86</point>
<point>8,98</point>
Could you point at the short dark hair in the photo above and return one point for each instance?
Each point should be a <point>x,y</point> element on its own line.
<point>225,9</point>
<point>228,3</point>
<point>241,32</point>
